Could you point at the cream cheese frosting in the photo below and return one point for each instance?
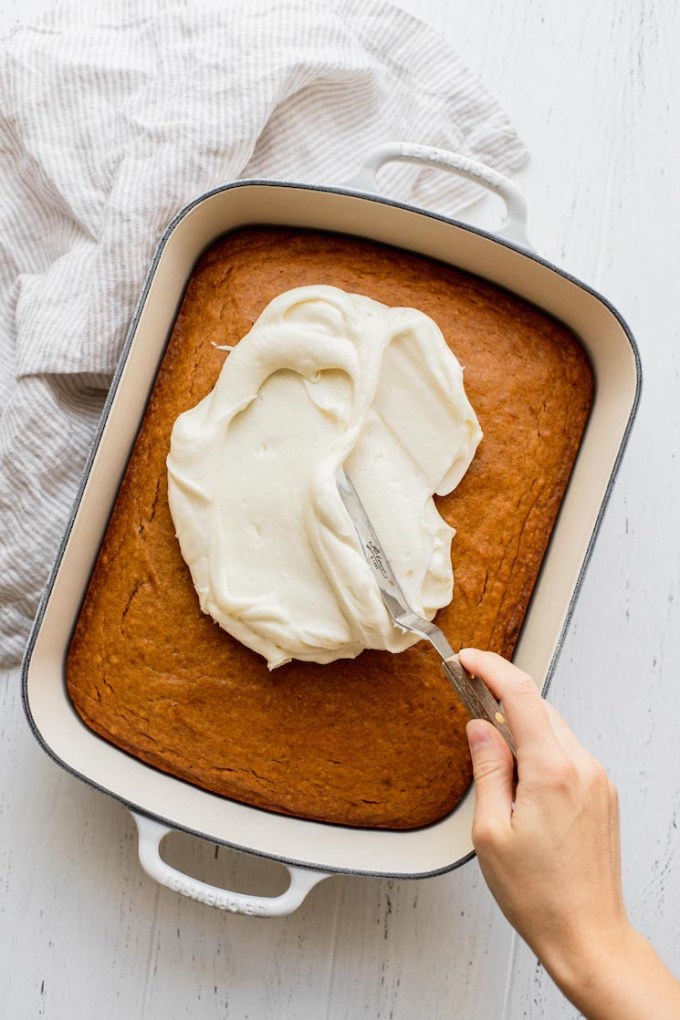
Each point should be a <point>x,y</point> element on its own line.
<point>324,379</point>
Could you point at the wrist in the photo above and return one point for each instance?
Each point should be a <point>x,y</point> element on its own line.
<point>592,960</point>
<point>616,973</point>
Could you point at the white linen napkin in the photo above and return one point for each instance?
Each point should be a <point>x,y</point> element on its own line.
<point>112,117</point>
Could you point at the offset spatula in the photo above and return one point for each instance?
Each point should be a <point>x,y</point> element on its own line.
<point>474,694</point>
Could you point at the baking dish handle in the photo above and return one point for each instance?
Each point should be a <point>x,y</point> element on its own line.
<point>514,228</point>
<point>151,833</point>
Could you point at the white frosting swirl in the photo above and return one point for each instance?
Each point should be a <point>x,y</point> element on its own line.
<point>323,379</point>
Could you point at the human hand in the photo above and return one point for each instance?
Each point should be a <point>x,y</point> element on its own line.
<point>549,850</point>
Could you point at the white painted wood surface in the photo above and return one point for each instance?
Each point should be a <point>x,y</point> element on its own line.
<point>595,92</point>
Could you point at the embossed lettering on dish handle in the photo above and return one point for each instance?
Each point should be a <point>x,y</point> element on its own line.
<point>514,227</point>
<point>151,833</point>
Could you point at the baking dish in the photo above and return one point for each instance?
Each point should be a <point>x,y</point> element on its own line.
<point>158,801</point>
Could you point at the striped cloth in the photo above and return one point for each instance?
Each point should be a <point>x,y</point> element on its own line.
<point>112,117</point>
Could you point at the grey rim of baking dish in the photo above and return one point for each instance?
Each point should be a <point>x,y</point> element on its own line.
<point>370,197</point>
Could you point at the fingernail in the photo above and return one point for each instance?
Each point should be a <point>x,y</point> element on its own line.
<point>478,734</point>
<point>465,653</point>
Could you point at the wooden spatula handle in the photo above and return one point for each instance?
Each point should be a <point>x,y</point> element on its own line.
<point>478,699</point>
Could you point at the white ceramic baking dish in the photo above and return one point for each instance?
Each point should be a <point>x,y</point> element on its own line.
<point>161,803</point>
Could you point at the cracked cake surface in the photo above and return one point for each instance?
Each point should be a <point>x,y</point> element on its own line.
<point>377,741</point>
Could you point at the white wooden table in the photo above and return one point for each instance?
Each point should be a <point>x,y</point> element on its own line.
<point>594,90</point>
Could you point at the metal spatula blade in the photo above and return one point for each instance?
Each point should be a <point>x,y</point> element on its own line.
<point>474,694</point>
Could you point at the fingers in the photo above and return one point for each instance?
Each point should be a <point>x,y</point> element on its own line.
<point>564,733</point>
<point>493,769</point>
<point>570,744</point>
<point>523,705</point>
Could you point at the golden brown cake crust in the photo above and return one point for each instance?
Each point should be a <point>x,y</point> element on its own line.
<point>378,741</point>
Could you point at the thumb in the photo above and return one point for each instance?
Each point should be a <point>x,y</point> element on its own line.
<point>493,768</point>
